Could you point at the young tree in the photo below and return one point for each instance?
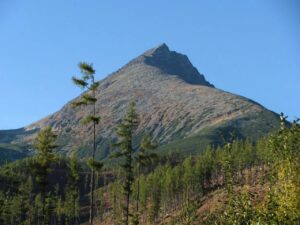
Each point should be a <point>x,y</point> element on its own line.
<point>88,83</point>
<point>26,197</point>
<point>143,158</point>
<point>155,197</point>
<point>115,195</point>
<point>284,191</point>
<point>44,144</point>
<point>188,177</point>
<point>188,214</point>
<point>72,192</point>
<point>125,131</point>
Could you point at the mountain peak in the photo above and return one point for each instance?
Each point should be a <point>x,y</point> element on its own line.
<point>160,49</point>
<point>173,63</point>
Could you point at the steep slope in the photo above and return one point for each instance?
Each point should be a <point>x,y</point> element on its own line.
<point>175,104</point>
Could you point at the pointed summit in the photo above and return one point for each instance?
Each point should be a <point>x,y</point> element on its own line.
<point>170,63</point>
<point>173,63</point>
<point>160,49</point>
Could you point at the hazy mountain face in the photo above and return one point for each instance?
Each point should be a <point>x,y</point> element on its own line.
<point>174,102</point>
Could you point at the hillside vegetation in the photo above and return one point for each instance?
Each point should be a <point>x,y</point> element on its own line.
<point>240,183</point>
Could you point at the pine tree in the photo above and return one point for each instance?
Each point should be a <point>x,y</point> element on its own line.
<point>168,188</point>
<point>59,210</point>
<point>143,158</point>
<point>188,177</point>
<point>155,183</point>
<point>125,131</point>
<point>115,195</point>
<point>72,192</point>
<point>26,198</point>
<point>87,82</point>
<point>44,144</point>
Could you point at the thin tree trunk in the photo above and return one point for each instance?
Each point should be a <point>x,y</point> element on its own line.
<point>128,198</point>
<point>128,187</point>
<point>93,172</point>
<point>127,207</point>
<point>138,190</point>
<point>74,211</point>
<point>43,205</point>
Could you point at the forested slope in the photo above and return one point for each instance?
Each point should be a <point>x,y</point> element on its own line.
<point>240,183</point>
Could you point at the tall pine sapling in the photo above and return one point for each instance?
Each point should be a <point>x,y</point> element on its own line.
<point>143,158</point>
<point>44,144</point>
<point>72,191</point>
<point>88,98</point>
<point>125,132</point>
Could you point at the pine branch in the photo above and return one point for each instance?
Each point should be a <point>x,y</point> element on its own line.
<point>79,82</point>
<point>89,99</point>
<point>76,104</point>
<point>94,86</point>
<point>89,119</point>
<point>97,165</point>
<point>86,69</point>
<point>116,154</point>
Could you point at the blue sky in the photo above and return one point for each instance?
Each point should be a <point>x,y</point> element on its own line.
<point>249,47</point>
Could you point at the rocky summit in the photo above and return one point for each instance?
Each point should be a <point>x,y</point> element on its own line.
<point>177,106</point>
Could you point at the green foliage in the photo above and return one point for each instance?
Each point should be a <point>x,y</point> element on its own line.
<point>79,82</point>
<point>259,183</point>
<point>251,126</point>
<point>11,152</point>
<point>97,165</point>
<point>143,159</point>
<point>117,205</point>
<point>155,183</point>
<point>125,132</point>
<point>24,202</point>
<point>87,82</point>
<point>135,219</point>
<point>281,204</point>
<point>283,200</point>
<point>189,213</point>
<point>87,70</point>
<point>238,167</point>
<point>239,208</point>
<point>88,98</point>
<point>89,119</point>
<point>144,156</point>
<point>44,144</point>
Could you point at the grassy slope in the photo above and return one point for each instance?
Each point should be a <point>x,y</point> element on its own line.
<point>10,152</point>
<point>250,126</point>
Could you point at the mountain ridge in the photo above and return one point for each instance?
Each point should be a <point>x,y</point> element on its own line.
<point>173,99</point>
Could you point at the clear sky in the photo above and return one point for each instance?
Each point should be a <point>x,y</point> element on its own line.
<point>250,47</point>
